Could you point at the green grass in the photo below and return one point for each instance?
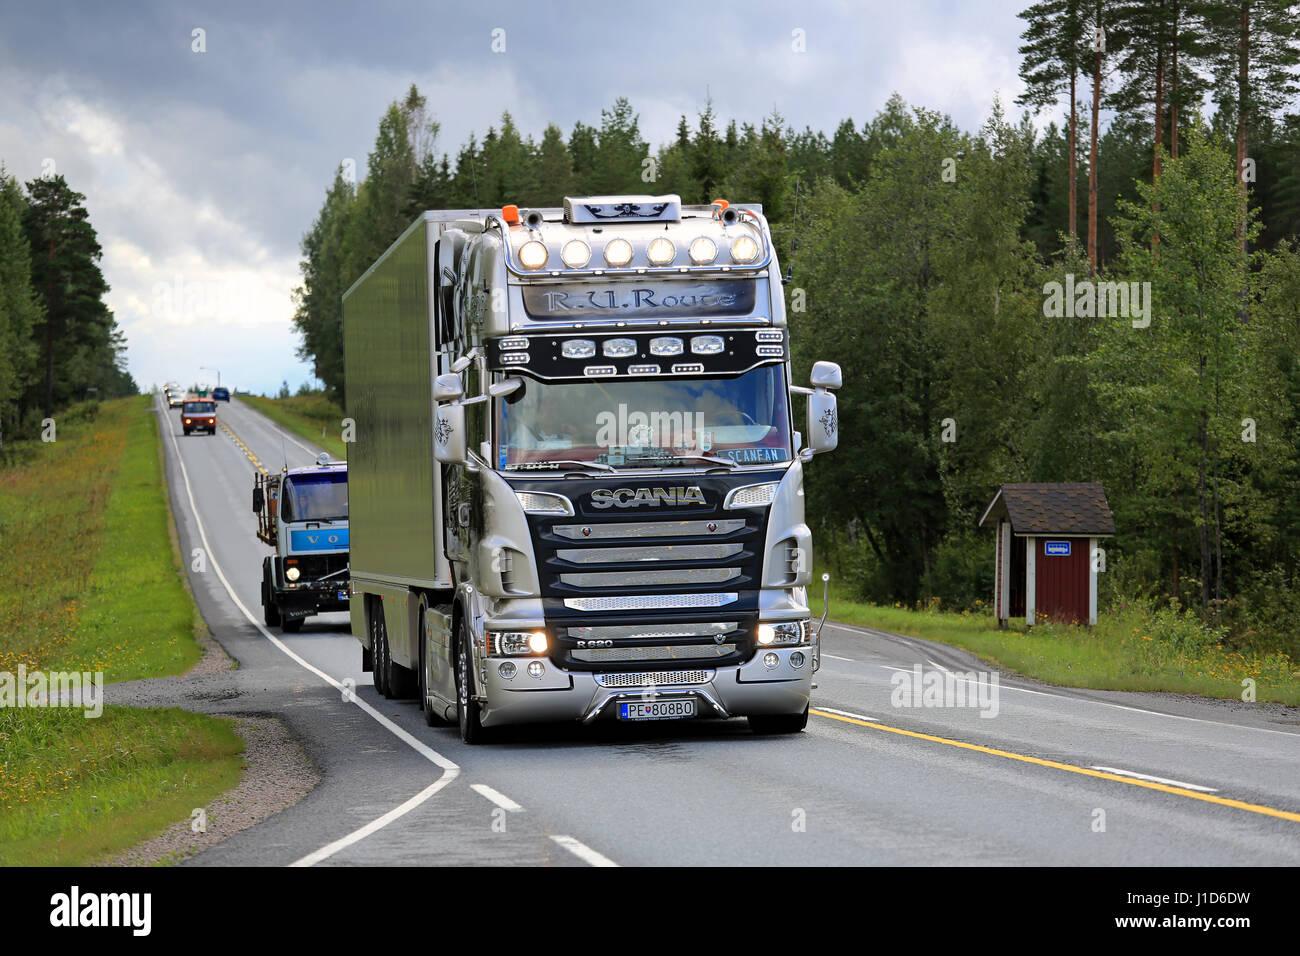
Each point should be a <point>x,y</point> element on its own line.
<point>75,790</point>
<point>1133,648</point>
<point>312,417</point>
<point>89,581</point>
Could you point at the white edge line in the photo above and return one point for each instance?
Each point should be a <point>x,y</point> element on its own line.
<point>1087,700</point>
<point>846,713</point>
<point>834,658</point>
<point>582,851</point>
<point>1147,776</point>
<point>450,770</point>
<point>497,797</point>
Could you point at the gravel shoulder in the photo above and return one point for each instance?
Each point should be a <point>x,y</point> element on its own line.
<point>277,772</point>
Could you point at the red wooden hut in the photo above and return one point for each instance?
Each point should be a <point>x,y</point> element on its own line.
<point>1048,554</point>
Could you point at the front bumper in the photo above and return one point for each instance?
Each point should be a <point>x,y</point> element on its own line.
<point>313,598</point>
<point>742,690</point>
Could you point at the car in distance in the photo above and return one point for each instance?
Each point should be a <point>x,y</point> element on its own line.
<point>175,397</point>
<point>221,394</point>
<point>199,414</point>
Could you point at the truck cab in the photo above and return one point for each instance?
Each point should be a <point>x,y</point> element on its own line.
<point>303,514</point>
<point>612,527</point>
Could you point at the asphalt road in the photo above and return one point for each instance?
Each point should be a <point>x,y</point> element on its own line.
<point>1054,776</point>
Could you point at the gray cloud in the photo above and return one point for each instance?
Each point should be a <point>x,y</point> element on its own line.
<point>211,166</point>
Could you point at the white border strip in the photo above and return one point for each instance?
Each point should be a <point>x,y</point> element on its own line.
<point>497,797</point>
<point>1147,776</point>
<point>582,851</point>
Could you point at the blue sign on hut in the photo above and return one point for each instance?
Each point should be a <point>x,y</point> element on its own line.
<point>1047,556</point>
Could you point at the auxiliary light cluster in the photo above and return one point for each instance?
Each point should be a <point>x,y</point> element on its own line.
<point>661,253</point>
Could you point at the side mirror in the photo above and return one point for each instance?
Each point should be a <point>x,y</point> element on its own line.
<point>258,501</point>
<point>826,375</point>
<point>447,388</point>
<point>823,421</point>
<point>449,434</point>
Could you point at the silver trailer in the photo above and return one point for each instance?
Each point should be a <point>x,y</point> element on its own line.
<point>576,488</point>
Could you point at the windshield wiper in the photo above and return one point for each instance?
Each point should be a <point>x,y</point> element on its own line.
<point>665,457</point>
<point>554,465</point>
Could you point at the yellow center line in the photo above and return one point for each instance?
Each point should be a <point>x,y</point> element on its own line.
<point>1071,768</point>
<point>247,451</point>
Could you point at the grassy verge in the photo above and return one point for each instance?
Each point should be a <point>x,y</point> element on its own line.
<point>74,790</point>
<point>89,582</point>
<point>1135,647</point>
<point>311,417</point>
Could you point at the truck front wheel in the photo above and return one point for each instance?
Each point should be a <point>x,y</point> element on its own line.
<point>291,627</point>
<point>270,613</point>
<point>779,723</point>
<point>467,709</point>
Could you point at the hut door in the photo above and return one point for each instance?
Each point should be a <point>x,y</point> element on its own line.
<point>1061,577</point>
<point>1016,604</point>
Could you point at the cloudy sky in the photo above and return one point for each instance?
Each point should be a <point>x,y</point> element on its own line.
<point>203,167</point>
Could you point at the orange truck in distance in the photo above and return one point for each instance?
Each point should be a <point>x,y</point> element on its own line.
<point>199,414</point>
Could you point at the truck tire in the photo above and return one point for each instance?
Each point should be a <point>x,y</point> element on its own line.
<point>270,613</point>
<point>291,627</point>
<point>378,648</point>
<point>767,724</point>
<point>392,680</point>
<point>403,682</point>
<point>467,713</point>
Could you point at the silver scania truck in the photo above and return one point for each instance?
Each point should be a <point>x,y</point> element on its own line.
<point>576,486</point>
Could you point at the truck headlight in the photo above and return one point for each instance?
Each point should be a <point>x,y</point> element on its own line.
<point>787,633</point>
<point>293,574</point>
<point>516,643</point>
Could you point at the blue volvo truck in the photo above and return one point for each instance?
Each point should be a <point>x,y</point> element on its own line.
<point>303,514</point>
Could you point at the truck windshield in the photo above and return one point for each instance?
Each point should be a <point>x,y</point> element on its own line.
<point>321,497</point>
<point>199,408</point>
<point>632,423</point>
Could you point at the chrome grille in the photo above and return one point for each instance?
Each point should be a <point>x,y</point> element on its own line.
<point>665,552</point>
<point>642,631</point>
<point>669,652</point>
<point>648,529</point>
<point>634,579</point>
<point>654,678</point>
<point>649,602</point>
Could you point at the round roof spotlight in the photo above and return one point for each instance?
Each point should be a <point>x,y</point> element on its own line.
<point>618,253</point>
<point>532,254</point>
<point>703,251</point>
<point>661,252</point>
<point>744,250</point>
<point>576,254</point>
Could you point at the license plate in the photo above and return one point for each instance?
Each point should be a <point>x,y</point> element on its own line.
<point>657,709</point>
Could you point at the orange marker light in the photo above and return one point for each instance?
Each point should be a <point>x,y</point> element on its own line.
<point>510,214</point>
